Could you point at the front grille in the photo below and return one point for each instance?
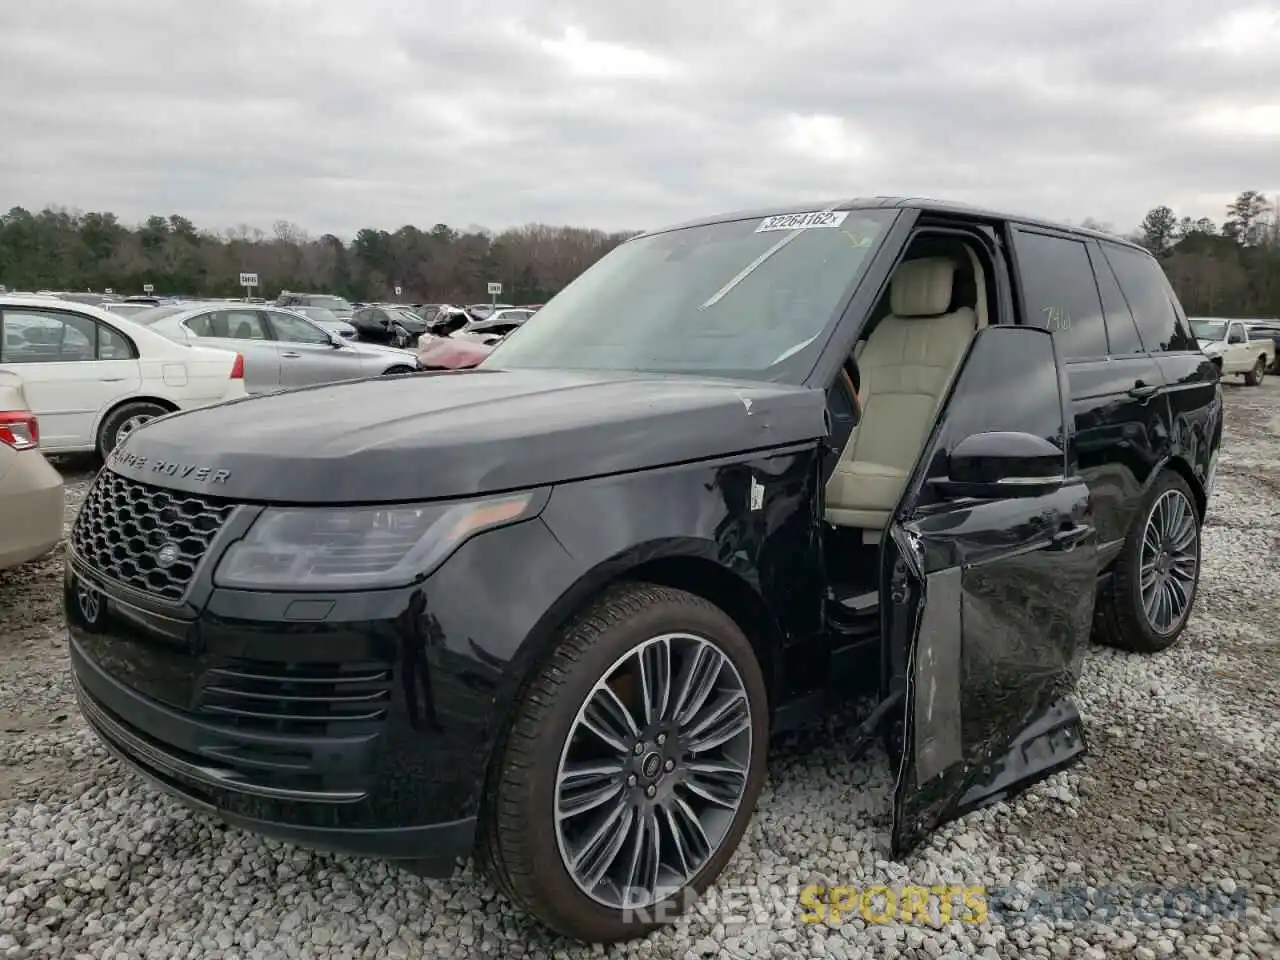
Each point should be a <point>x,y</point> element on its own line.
<point>124,526</point>
<point>298,699</point>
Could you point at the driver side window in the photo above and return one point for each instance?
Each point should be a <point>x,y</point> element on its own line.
<point>1236,334</point>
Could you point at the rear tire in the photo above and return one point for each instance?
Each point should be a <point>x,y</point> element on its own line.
<point>1255,376</point>
<point>123,421</point>
<point>546,860</point>
<point>1138,618</point>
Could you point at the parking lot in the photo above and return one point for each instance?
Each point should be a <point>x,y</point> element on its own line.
<point>1164,842</point>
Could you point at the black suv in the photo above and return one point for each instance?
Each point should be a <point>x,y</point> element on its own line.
<point>552,608</point>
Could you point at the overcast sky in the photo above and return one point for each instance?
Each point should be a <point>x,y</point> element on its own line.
<point>337,114</point>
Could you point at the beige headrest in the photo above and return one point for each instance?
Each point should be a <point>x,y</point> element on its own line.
<point>922,288</point>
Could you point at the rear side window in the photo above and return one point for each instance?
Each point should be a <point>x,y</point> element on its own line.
<point>1059,293</point>
<point>1149,296</point>
<point>1122,334</point>
<point>52,336</point>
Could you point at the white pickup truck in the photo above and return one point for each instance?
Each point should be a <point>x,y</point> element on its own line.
<point>1233,351</point>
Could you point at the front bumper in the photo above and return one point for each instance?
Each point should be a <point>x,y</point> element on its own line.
<point>436,847</point>
<point>183,765</point>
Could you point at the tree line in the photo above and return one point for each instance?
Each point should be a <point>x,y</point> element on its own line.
<point>1230,268</point>
<point>64,250</point>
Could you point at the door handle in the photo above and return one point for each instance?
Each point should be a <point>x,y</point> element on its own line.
<point>112,380</point>
<point>291,356</point>
<point>1143,391</point>
<point>1068,537</point>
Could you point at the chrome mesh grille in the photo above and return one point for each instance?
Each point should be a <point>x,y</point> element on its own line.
<point>146,537</point>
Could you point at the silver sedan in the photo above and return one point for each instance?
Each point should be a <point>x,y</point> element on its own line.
<point>281,349</point>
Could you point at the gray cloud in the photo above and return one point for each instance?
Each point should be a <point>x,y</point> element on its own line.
<point>337,116</point>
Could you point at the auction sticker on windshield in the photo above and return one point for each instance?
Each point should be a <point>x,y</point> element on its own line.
<point>803,221</point>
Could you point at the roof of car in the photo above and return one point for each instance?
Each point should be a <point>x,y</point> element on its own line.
<point>923,204</point>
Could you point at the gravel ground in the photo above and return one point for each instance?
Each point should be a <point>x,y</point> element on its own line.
<point>1164,842</point>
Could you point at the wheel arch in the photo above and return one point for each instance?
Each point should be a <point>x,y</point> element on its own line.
<point>668,564</point>
<point>169,406</point>
<point>1179,465</point>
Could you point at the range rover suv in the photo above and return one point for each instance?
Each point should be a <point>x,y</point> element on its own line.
<point>551,609</point>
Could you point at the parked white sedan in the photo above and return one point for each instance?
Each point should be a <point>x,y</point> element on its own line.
<point>93,377</point>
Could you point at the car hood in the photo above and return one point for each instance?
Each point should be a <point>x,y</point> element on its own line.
<point>1210,346</point>
<point>457,433</point>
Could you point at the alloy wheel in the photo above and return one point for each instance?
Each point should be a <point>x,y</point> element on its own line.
<point>1170,561</point>
<point>653,771</point>
<point>129,426</point>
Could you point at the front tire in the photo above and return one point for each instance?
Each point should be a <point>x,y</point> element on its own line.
<point>397,371</point>
<point>123,421</point>
<point>1145,606</point>
<point>1255,376</point>
<point>631,768</point>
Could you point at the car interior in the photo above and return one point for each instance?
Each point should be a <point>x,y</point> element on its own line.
<point>902,367</point>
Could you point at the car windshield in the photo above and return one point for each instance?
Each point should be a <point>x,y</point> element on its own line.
<point>1209,329</point>
<point>744,298</point>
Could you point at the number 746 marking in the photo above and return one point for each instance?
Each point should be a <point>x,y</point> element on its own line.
<point>1055,318</point>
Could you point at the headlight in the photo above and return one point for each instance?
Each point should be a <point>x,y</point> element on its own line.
<point>349,548</point>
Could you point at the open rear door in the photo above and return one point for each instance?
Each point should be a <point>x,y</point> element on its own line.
<point>988,592</point>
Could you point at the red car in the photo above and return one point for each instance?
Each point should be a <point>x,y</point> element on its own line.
<point>450,353</point>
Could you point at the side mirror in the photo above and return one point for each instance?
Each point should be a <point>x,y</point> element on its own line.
<point>1002,464</point>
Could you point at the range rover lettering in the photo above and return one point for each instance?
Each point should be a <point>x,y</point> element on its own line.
<point>550,610</point>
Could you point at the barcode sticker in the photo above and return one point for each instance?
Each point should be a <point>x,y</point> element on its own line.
<point>803,221</point>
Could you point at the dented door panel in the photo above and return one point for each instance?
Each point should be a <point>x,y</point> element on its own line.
<point>988,606</point>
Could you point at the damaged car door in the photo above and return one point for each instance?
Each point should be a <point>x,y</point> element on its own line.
<point>988,589</point>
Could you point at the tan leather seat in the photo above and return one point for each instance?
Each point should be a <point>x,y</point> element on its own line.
<point>906,367</point>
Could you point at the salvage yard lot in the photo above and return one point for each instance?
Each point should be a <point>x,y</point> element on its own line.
<point>1179,802</point>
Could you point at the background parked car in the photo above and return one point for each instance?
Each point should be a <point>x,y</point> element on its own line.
<point>93,377</point>
<point>494,329</point>
<point>1234,349</point>
<point>482,311</point>
<point>340,306</point>
<point>396,325</point>
<point>448,319</point>
<point>127,309</point>
<point>30,488</point>
<point>282,349</point>
<point>449,353</point>
<point>1259,329</point>
<point>327,320</point>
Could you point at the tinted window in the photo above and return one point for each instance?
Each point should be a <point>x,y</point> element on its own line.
<point>229,325</point>
<point>241,325</point>
<point>46,337</point>
<point>295,329</point>
<point>1060,294</point>
<point>1122,334</point>
<point>1148,293</point>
